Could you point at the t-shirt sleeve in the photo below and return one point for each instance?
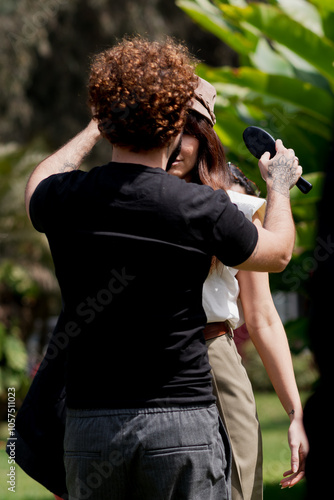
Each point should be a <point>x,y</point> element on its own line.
<point>38,206</point>
<point>234,236</point>
<point>49,198</point>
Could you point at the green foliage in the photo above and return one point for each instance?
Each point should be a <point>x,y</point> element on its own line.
<point>18,291</point>
<point>284,84</point>
<point>13,362</point>
<point>16,278</point>
<point>26,277</point>
<point>285,79</point>
<point>306,372</point>
<point>18,239</point>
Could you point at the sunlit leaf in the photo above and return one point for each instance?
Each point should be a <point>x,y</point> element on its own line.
<point>273,23</point>
<point>313,100</point>
<point>15,353</point>
<point>317,180</point>
<point>324,6</point>
<point>209,18</point>
<point>266,59</point>
<point>304,13</point>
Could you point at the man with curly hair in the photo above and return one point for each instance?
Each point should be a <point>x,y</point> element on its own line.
<point>132,247</point>
<point>135,100</point>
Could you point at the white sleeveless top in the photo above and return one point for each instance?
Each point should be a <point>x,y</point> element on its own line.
<point>221,288</point>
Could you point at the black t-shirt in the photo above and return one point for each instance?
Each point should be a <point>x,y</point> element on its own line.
<point>132,246</point>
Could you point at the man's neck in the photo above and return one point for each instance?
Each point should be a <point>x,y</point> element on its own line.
<point>155,158</point>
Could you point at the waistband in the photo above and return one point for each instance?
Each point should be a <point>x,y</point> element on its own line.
<point>106,412</point>
<point>217,329</point>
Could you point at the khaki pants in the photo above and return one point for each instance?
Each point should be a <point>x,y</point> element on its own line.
<point>236,406</point>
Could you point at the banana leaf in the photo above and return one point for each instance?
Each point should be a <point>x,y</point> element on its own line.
<point>309,98</point>
<point>205,14</point>
<point>273,23</point>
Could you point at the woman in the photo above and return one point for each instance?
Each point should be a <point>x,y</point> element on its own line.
<point>202,160</point>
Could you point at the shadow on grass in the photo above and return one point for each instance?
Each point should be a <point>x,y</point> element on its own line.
<point>274,492</point>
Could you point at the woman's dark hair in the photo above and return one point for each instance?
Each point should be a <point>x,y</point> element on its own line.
<point>211,168</point>
<point>238,177</point>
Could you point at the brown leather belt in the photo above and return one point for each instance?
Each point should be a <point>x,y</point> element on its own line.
<point>217,329</point>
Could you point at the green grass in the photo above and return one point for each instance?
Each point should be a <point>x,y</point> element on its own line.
<point>276,452</point>
<point>26,488</point>
<point>274,424</point>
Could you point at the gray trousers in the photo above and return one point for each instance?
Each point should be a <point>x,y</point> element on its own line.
<point>147,454</point>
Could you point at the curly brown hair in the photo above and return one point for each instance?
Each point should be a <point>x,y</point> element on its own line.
<point>139,91</point>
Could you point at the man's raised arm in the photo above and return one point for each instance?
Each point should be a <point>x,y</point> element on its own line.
<point>67,158</point>
<point>277,236</point>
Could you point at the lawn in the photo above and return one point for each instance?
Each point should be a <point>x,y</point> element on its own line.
<point>274,423</point>
<point>276,452</point>
<point>26,488</point>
